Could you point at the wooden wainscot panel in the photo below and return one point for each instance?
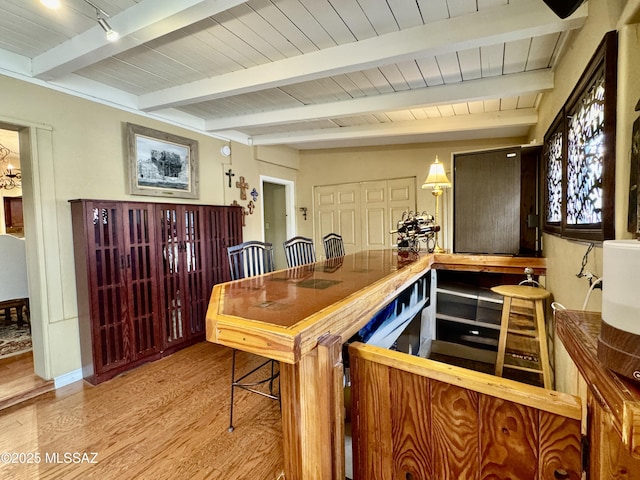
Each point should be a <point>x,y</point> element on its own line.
<point>508,439</point>
<point>558,448</point>
<point>419,419</point>
<point>408,393</point>
<point>455,435</point>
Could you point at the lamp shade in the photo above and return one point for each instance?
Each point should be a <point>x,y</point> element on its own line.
<point>437,177</point>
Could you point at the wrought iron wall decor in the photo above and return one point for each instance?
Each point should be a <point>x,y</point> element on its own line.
<point>579,153</point>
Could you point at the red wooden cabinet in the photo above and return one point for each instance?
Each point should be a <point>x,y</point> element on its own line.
<point>144,274</point>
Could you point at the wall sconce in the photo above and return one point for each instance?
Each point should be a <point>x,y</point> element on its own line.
<point>304,212</point>
<point>436,180</point>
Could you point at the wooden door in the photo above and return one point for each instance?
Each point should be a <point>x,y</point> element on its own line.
<point>139,271</point>
<point>184,276</point>
<point>363,213</point>
<point>338,211</point>
<point>170,227</point>
<point>401,195</point>
<point>195,294</point>
<point>487,202</point>
<point>107,287</point>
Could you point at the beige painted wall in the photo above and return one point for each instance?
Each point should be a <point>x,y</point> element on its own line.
<point>346,165</point>
<point>564,258</point>
<point>79,150</point>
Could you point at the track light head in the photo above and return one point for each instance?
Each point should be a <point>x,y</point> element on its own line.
<point>111,34</point>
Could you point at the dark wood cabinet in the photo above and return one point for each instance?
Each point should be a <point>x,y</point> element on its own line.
<point>144,274</point>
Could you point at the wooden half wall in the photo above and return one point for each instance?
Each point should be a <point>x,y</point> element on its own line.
<point>417,419</point>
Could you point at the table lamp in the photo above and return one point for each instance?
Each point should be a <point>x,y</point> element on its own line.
<point>437,180</point>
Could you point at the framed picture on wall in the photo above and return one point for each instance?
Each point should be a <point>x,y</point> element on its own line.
<point>161,164</point>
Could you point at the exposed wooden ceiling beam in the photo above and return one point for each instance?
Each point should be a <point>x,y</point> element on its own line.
<point>141,23</point>
<point>537,81</point>
<point>487,27</point>
<point>467,123</point>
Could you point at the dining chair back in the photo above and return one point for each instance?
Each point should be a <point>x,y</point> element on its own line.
<point>299,251</point>
<point>333,245</point>
<point>250,258</point>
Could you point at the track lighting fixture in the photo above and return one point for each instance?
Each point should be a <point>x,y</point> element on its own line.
<point>101,18</point>
<point>111,34</point>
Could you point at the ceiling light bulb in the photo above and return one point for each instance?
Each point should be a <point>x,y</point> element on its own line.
<point>53,4</point>
<point>111,34</point>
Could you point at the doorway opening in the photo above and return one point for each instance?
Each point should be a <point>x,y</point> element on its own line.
<point>16,347</point>
<point>278,214</point>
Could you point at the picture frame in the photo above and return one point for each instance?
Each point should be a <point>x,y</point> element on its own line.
<point>162,164</point>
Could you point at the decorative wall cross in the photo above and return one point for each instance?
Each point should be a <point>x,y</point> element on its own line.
<point>242,185</point>
<point>230,174</point>
<point>242,209</point>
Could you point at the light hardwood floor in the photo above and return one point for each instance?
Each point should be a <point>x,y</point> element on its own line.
<point>165,420</point>
<point>18,382</point>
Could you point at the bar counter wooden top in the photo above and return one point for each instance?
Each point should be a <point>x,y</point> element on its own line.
<point>301,316</point>
<point>282,314</point>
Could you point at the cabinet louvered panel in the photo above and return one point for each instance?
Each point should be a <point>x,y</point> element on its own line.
<point>144,274</point>
<point>224,230</point>
<point>141,270</point>
<point>171,243</point>
<point>108,286</point>
<point>196,297</point>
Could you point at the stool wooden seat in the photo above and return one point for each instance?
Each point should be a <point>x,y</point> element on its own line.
<point>517,322</point>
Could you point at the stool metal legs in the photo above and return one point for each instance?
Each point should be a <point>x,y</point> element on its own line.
<point>250,386</point>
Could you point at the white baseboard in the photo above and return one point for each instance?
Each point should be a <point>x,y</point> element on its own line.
<point>68,378</point>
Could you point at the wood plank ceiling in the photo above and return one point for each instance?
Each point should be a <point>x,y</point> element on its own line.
<point>305,73</point>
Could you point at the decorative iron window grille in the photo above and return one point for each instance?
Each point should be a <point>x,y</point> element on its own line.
<point>579,154</point>
<point>553,158</point>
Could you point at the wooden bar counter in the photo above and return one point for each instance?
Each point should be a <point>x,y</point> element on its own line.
<point>302,316</point>
<point>613,402</point>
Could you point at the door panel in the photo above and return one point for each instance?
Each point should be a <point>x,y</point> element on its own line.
<point>487,202</point>
<point>108,286</point>
<point>170,233</point>
<point>374,208</point>
<point>195,295</point>
<point>363,213</point>
<point>141,277</point>
<point>349,216</point>
<point>402,198</point>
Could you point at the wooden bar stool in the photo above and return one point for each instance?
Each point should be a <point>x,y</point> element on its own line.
<point>518,323</point>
